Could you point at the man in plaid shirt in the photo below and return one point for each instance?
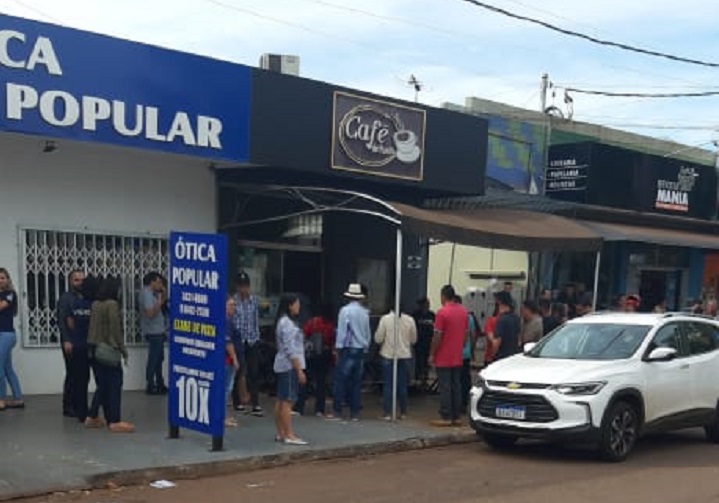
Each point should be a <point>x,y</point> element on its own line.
<point>247,321</point>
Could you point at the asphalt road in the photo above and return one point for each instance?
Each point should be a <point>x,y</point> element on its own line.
<point>673,468</point>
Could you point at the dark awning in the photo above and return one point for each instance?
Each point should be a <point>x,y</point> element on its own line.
<point>500,229</point>
<point>640,234</point>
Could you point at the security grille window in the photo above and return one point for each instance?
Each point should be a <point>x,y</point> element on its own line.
<point>50,257</point>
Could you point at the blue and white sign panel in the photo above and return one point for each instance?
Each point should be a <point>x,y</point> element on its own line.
<point>63,83</point>
<point>198,281</point>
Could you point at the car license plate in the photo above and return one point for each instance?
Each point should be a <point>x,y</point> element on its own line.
<point>511,412</point>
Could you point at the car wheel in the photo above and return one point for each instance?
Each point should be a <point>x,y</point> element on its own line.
<point>712,430</point>
<point>620,430</point>
<point>498,441</point>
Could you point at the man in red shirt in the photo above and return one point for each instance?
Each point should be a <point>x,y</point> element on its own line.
<point>450,331</point>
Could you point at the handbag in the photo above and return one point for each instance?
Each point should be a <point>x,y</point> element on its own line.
<point>107,355</point>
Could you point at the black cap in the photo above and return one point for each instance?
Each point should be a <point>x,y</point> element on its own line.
<point>243,279</point>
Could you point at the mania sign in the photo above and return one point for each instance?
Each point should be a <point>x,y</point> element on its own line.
<point>378,137</point>
<point>674,195</point>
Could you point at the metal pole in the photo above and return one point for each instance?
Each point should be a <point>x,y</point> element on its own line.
<point>451,263</point>
<point>397,314</point>
<point>596,279</point>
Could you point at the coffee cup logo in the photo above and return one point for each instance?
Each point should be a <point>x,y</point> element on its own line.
<point>378,137</point>
<point>406,145</point>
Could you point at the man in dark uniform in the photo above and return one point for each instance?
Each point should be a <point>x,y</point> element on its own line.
<point>424,318</point>
<point>65,307</point>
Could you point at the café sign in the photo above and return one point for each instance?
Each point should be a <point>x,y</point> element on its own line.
<point>378,137</point>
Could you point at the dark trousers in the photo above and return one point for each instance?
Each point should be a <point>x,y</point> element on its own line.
<point>387,388</point>
<point>67,387</point>
<point>109,391</point>
<point>450,392</point>
<point>422,359</point>
<point>79,363</point>
<point>466,382</point>
<point>317,370</point>
<point>252,366</point>
<point>155,359</point>
<point>348,382</point>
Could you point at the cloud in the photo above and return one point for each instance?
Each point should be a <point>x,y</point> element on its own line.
<point>458,50</point>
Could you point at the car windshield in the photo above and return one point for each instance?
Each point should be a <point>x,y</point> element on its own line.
<point>591,341</point>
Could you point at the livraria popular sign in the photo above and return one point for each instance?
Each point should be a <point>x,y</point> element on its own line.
<point>378,137</point>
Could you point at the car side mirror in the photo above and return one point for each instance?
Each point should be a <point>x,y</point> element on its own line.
<point>662,355</point>
<point>529,346</point>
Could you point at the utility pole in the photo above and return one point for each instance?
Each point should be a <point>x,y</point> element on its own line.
<point>417,85</point>
<point>543,89</point>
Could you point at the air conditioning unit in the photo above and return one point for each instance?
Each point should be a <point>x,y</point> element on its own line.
<point>281,63</point>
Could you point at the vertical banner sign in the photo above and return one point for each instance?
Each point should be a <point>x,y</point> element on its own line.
<point>198,275</point>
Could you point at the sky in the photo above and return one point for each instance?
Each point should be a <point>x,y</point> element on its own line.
<point>456,49</point>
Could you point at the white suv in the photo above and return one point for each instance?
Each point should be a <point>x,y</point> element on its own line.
<point>604,379</point>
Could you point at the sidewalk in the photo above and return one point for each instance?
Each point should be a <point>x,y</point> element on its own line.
<point>43,452</point>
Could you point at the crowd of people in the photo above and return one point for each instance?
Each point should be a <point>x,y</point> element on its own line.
<point>442,346</point>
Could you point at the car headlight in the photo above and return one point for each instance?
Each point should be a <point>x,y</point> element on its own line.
<point>586,388</point>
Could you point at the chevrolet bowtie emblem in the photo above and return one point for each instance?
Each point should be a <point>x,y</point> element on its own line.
<point>514,385</point>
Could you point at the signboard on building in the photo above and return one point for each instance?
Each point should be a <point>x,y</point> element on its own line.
<point>605,175</point>
<point>63,83</point>
<point>674,187</point>
<point>198,277</point>
<point>378,137</point>
<point>567,173</point>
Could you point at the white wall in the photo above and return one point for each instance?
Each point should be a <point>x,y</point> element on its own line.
<point>467,260</point>
<point>94,188</point>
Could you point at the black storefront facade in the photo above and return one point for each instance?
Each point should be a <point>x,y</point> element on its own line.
<point>310,212</point>
<point>657,216</point>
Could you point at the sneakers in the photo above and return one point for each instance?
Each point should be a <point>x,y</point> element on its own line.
<point>333,418</point>
<point>241,409</point>
<point>257,411</point>
<point>296,441</point>
<point>441,423</point>
<point>121,427</point>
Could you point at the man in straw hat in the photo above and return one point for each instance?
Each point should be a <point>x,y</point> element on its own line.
<point>353,340</point>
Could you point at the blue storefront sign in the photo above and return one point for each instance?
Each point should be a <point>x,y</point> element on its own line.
<point>63,83</point>
<point>198,281</point>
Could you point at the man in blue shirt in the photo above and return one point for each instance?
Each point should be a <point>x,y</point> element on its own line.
<point>353,340</point>
<point>153,297</point>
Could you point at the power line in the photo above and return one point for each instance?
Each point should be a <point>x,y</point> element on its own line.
<point>610,94</point>
<point>37,11</point>
<point>590,38</point>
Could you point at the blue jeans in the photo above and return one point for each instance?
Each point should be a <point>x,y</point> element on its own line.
<point>7,343</point>
<point>155,358</point>
<point>229,382</point>
<point>388,370</point>
<point>348,382</point>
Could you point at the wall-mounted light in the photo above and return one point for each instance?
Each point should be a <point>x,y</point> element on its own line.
<point>50,146</point>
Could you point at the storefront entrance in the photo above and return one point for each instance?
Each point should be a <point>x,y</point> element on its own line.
<point>656,286</point>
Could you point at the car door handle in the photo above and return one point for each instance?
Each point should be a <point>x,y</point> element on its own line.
<point>685,366</point>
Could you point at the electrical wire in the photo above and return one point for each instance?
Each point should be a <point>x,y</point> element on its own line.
<point>589,38</point>
<point>37,11</point>
<point>609,94</point>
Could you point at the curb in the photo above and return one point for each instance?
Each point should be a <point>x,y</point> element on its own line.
<point>232,466</point>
